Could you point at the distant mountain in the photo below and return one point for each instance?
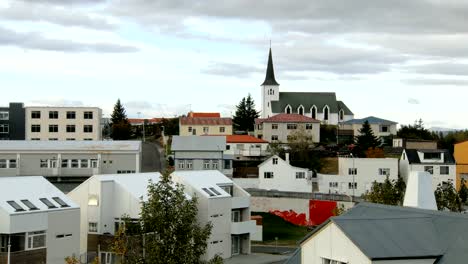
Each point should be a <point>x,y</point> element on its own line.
<point>443,130</point>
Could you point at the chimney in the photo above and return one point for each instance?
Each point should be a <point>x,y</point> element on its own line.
<point>287,157</point>
<point>419,193</point>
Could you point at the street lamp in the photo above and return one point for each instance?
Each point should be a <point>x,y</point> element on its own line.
<point>139,114</point>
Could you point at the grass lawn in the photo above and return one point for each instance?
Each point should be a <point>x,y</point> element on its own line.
<point>275,226</point>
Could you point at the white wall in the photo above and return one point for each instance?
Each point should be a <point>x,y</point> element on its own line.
<point>437,178</point>
<point>284,177</point>
<point>330,242</point>
<point>60,223</point>
<point>247,183</point>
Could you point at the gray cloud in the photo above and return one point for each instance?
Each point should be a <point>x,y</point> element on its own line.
<point>441,82</point>
<point>55,102</point>
<point>443,68</point>
<point>231,70</point>
<point>34,40</point>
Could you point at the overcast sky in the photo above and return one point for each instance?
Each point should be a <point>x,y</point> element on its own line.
<point>399,60</point>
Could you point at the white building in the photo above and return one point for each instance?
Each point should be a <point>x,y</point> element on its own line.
<point>438,162</point>
<point>38,221</point>
<point>245,147</point>
<point>66,159</point>
<point>226,205</point>
<point>281,127</point>
<point>63,123</point>
<point>382,234</point>
<point>320,106</point>
<point>380,127</point>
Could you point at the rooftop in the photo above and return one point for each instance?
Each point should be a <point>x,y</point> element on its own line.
<point>141,120</point>
<point>30,194</point>
<point>208,121</point>
<point>286,118</point>
<point>413,157</point>
<point>243,139</point>
<point>198,143</point>
<point>199,114</point>
<point>75,145</point>
<point>134,183</point>
<point>205,181</point>
<point>371,120</point>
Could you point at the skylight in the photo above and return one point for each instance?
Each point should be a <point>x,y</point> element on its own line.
<point>60,201</point>
<point>208,192</point>
<point>15,206</point>
<point>49,204</point>
<point>30,205</point>
<point>215,191</point>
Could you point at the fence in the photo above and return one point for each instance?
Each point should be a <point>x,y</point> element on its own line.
<point>303,195</point>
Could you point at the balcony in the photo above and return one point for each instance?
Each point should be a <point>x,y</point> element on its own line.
<point>240,202</point>
<point>251,152</point>
<point>244,227</point>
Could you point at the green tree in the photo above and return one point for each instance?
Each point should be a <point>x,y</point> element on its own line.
<point>463,192</point>
<point>447,198</point>
<point>170,126</point>
<point>366,139</point>
<point>328,134</point>
<point>168,228</point>
<point>244,118</point>
<point>389,192</point>
<point>416,131</point>
<point>121,129</point>
<point>300,146</point>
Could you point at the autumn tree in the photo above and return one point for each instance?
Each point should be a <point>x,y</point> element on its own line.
<point>447,198</point>
<point>366,140</point>
<point>300,147</point>
<point>415,131</point>
<point>391,192</point>
<point>120,127</point>
<point>244,118</point>
<point>463,192</point>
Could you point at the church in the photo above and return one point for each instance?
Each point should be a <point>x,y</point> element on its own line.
<point>320,106</point>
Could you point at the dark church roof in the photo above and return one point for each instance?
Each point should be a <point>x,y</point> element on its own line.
<point>307,100</point>
<point>270,72</point>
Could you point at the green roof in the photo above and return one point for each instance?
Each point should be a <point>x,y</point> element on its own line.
<point>307,100</point>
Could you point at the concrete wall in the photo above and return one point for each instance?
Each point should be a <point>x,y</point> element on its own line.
<point>64,222</point>
<point>212,130</point>
<point>62,123</point>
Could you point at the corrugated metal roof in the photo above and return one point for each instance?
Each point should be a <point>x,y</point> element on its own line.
<point>307,100</point>
<point>72,145</point>
<point>371,120</point>
<point>198,143</point>
<point>200,179</point>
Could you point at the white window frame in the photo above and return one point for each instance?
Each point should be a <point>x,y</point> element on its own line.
<point>94,226</point>
<point>181,164</point>
<point>3,164</point>
<point>214,164</point>
<point>206,130</point>
<point>429,169</point>
<point>268,175</point>
<point>288,107</point>
<point>341,115</point>
<point>274,137</point>
<point>35,127</point>
<point>299,111</point>
<point>352,171</point>
<point>291,126</point>
<point>350,185</point>
<point>4,128</point>
<point>4,115</point>
<point>88,115</point>
<point>384,171</point>
<point>189,164</point>
<point>94,163</point>
<point>274,161</point>
<point>300,174</point>
<point>274,126</point>
<point>222,129</point>
<point>32,236</point>
<point>206,164</point>
<point>313,112</point>
<point>309,126</point>
<point>327,111</point>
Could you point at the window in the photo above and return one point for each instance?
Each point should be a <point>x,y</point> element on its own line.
<point>341,114</point>
<point>181,164</point>
<point>64,163</point>
<point>208,192</point>
<point>384,129</point>
<point>300,110</point>
<point>88,139</point>
<point>74,163</point>
<point>71,114</point>
<point>384,171</point>
<point>228,147</point>
<point>12,164</point>
<point>326,111</point>
<point>35,114</point>
<point>333,184</point>
<point>268,175</point>
<point>274,137</point>
<point>63,236</point>
<point>330,261</point>
<point>53,139</point>
<point>53,114</point>
<point>236,216</point>
<point>4,128</point>
<point>227,164</point>
<point>60,202</point>
<point>94,163</point>
<point>189,164</point>
<point>84,163</point>
<point>352,171</point>
<point>222,129</point>
<point>30,205</point>
<point>70,139</point>
<point>35,128</point>
<point>275,161</point>
<point>352,185</point>
<point>15,206</point>
<point>88,128</point>
<point>36,240</point>
<point>227,188</point>
<point>313,112</point>
<point>189,129</point>
<point>53,128</point>
<point>53,163</point>
<point>88,115</point>
<point>274,126</point>
<point>48,203</point>
<point>291,126</point>
<point>71,128</point>
<point>205,129</point>
<point>44,163</point>
<point>444,170</point>
<point>287,110</point>
<point>214,164</point>
<point>3,163</point>
<point>429,169</point>
<point>92,227</point>
<point>35,139</point>
<point>300,175</point>
<point>215,191</point>
<point>308,126</point>
<point>4,115</point>
<point>432,155</point>
<point>206,164</point>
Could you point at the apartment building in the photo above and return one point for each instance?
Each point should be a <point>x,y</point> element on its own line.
<point>12,122</point>
<point>38,223</point>
<point>226,205</point>
<point>68,159</point>
<point>63,123</point>
<point>380,127</point>
<point>281,127</point>
<point>246,147</point>
<point>201,153</point>
<point>197,124</point>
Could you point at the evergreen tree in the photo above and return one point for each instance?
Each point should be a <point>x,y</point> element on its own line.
<point>366,139</point>
<point>416,131</point>
<point>121,128</point>
<point>244,118</point>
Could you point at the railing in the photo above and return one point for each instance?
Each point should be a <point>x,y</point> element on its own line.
<point>244,227</point>
<point>303,195</point>
<point>251,152</point>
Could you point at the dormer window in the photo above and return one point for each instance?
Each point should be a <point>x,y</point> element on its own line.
<point>288,110</point>
<point>326,113</point>
<point>341,114</point>
<point>300,110</point>
<point>432,155</point>
<point>313,112</point>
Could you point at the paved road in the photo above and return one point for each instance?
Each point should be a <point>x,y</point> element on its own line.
<point>257,258</point>
<point>273,250</point>
<point>152,157</point>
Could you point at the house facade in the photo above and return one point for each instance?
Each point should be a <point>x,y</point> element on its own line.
<point>198,126</point>
<point>321,106</point>
<point>279,128</point>
<point>226,205</point>
<point>461,158</point>
<point>68,159</point>
<point>63,123</point>
<point>380,127</point>
<point>438,162</point>
<point>38,223</point>
<point>201,153</point>
<point>12,122</point>
<point>246,147</point>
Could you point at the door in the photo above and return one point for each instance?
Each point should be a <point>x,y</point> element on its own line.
<point>235,245</point>
<point>107,258</point>
<point>236,217</point>
<point>194,132</point>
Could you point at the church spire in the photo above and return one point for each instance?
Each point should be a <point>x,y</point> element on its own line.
<point>270,72</point>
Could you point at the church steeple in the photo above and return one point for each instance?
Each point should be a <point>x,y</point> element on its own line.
<point>270,72</point>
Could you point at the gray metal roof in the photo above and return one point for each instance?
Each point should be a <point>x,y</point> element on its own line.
<point>307,100</point>
<point>393,232</point>
<point>371,120</point>
<point>198,143</point>
<point>71,145</point>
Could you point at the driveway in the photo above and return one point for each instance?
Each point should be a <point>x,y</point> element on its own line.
<point>152,157</point>
<point>257,258</point>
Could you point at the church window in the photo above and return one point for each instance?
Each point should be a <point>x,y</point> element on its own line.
<point>341,114</point>
<point>288,109</point>
<point>313,111</point>
<point>300,110</point>
<point>326,113</point>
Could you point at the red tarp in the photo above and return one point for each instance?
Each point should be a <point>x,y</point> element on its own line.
<point>319,212</point>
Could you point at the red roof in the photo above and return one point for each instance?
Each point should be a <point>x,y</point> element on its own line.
<point>140,120</point>
<point>199,114</point>
<point>287,118</point>
<point>209,121</point>
<point>243,139</point>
